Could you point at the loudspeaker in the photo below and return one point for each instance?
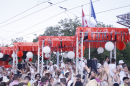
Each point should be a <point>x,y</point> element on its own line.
<point>92,64</point>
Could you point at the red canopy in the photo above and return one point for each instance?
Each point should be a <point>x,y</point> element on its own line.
<point>6,50</point>
<point>26,46</point>
<point>99,36</point>
<point>58,43</point>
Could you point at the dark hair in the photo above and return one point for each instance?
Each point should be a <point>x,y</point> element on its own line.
<point>45,68</point>
<point>112,60</point>
<point>124,78</point>
<point>106,57</point>
<point>66,75</point>
<point>29,74</point>
<point>44,79</point>
<point>101,62</point>
<point>124,66</point>
<point>36,68</point>
<point>63,81</point>
<point>115,84</point>
<point>36,75</point>
<point>3,84</point>
<point>57,84</point>
<point>128,68</point>
<point>78,75</point>
<point>27,78</point>
<point>1,79</point>
<point>93,71</point>
<point>15,77</point>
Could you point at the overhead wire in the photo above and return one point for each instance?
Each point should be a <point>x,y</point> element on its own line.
<point>30,14</point>
<point>67,10</point>
<point>46,19</point>
<point>24,12</point>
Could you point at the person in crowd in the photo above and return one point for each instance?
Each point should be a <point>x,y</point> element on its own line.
<point>45,70</point>
<point>63,82</point>
<point>44,81</point>
<point>68,78</point>
<point>37,79</point>
<point>16,80</point>
<point>78,81</point>
<point>112,66</point>
<point>121,62</point>
<point>116,77</point>
<point>51,81</point>
<point>107,60</point>
<point>25,81</point>
<point>124,73</point>
<point>31,67</point>
<point>93,75</point>
<point>51,67</point>
<point>126,81</point>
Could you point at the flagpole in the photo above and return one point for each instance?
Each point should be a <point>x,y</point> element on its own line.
<point>89,24</point>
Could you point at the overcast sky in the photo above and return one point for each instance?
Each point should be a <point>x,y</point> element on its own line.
<point>25,27</point>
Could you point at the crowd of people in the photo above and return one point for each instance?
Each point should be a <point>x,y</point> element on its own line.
<point>106,74</point>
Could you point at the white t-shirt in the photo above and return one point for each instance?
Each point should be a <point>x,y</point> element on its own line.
<point>111,67</point>
<point>51,68</point>
<point>105,63</point>
<point>31,70</point>
<point>69,82</point>
<point>122,74</point>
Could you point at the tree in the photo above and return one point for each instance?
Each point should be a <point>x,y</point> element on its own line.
<point>66,27</point>
<point>20,39</point>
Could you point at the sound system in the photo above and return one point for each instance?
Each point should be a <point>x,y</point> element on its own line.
<point>93,64</point>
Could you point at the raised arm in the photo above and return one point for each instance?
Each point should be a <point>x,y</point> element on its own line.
<point>86,77</point>
<point>18,70</point>
<point>110,80</point>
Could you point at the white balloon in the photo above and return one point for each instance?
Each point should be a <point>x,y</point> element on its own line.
<point>71,54</point>
<point>65,55</point>
<point>46,49</point>
<point>29,55</point>
<point>109,46</point>
<point>1,55</point>
<point>47,55</point>
<point>13,55</point>
<point>100,50</point>
<point>27,59</point>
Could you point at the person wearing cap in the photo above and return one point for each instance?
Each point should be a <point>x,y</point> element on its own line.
<point>121,62</point>
<point>126,81</point>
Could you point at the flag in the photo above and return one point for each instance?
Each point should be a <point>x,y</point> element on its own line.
<point>93,19</point>
<point>84,20</point>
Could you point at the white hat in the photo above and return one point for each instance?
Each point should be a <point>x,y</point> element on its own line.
<point>51,62</point>
<point>55,65</point>
<point>66,72</point>
<point>121,62</point>
<point>93,83</point>
<point>5,79</point>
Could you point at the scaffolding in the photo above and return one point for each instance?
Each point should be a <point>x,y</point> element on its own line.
<point>124,19</point>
